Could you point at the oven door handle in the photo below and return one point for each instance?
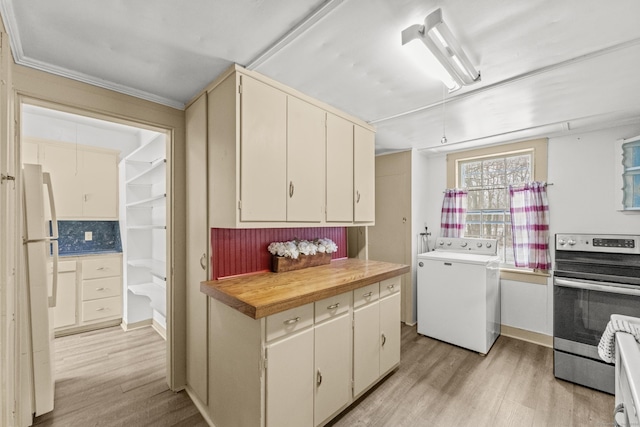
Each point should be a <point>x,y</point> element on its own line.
<point>595,286</point>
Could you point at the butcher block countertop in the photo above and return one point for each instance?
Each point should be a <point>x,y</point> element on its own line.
<point>262,294</point>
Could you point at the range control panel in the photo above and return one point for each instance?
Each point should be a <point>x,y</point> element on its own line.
<point>611,243</point>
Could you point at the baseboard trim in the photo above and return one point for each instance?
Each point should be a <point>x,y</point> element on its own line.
<point>529,336</point>
<point>201,406</point>
<point>159,329</point>
<point>136,325</point>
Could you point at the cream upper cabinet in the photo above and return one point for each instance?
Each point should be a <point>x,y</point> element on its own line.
<point>278,158</point>
<point>99,185</point>
<point>305,161</point>
<point>263,152</point>
<point>63,163</point>
<point>85,179</point>
<point>364,208</point>
<point>339,169</point>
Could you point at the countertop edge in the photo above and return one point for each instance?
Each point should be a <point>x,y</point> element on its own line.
<point>256,312</point>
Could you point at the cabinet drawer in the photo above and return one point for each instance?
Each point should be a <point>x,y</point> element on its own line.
<point>101,309</point>
<point>101,267</point>
<point>366,294</point>
<point>332,306</point>
<point>101,288</point>
<point>390,286</point>
<point>286,322</point>
<point>64,266</point>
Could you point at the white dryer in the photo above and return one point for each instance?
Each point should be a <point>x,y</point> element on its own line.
<point>459,293</point>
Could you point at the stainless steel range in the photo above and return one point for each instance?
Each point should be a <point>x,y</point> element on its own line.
<point>594,277</point>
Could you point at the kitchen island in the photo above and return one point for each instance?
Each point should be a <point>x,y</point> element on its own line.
<point>296,348</point>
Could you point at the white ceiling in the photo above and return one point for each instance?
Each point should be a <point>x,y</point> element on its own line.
<point>548,66</point>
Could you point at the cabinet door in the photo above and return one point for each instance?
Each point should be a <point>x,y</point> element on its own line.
<point>364,175</point>
<point>389,332</point>
<point>289,381</point>
<point>339,169</point>
<point>305,161</point>
<point>333,379</point>
<point>366,347</point>
<point>64,314</point>
<point>263,152</point>
<point>99,185</point>
<point>64,164</point>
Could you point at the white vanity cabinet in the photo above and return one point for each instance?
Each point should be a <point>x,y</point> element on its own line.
<point>271,151</point>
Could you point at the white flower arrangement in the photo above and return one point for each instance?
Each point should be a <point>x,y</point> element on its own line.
<point>294,248</point>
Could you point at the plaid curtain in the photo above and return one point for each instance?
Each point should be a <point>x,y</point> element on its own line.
<point>454,209</point>
<point>530,225</point>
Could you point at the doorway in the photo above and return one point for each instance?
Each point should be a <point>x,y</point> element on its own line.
<point>110,179</point>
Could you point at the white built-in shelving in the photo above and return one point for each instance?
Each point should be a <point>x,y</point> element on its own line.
<point>144,178</point>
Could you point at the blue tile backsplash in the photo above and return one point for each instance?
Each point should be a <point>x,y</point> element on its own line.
<point>106,237</point>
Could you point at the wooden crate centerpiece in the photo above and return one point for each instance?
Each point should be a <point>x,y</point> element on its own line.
<point>299,254</point>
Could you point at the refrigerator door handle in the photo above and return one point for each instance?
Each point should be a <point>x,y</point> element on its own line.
<point>53,299</point>
<point>46,178</point>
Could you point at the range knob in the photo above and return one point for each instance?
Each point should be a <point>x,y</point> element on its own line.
<point>562,242</point>
<point>463,244</point>
<point>479,244</point>
<point>571,242</point>
<point>449,243</point>
<point>488,245</point>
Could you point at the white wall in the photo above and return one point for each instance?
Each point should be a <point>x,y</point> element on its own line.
<point>419,208</point>
<point>582,200</point>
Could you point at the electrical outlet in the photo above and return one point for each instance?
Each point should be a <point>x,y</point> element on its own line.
<point>88,235</point>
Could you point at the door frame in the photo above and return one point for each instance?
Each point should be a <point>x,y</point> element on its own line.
<point>22,99</point>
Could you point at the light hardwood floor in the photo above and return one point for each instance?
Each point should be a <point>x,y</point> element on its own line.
<point>113,378</point>
<point>442,385</point>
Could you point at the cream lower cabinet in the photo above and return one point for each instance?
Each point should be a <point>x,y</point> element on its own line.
<point>296,367</point>
<point>89,294</point>
<point>376,333</point>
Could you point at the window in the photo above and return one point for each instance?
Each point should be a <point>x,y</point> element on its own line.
<point>631,175</point>
<point>487,174</point>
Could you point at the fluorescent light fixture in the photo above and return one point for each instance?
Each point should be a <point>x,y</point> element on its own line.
<point>456,69</point>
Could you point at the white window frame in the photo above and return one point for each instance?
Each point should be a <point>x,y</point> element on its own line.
<point>539,173</point>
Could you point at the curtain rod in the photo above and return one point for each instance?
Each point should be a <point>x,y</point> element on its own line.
<point>500,188</point>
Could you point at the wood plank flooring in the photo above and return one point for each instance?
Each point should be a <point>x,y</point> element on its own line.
<point>113,378</point>
<point>442,385</point>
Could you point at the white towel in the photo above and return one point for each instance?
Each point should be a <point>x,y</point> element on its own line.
<point>607,345</point>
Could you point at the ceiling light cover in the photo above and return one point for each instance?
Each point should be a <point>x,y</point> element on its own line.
<point>437,37</point>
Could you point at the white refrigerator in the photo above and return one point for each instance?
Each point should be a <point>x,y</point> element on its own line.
<point>39,236</point>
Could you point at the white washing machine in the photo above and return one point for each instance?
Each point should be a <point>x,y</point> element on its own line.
<point>459,293</point>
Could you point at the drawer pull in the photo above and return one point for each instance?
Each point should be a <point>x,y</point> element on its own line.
<point>391,287</point>
<point>100,289</point>
<point>319,377</point>
<point>333,306</point>
<point>100,268</point>
<point>292,321</point>
<point>100,309</point>
<point>367,295</point>
<point>384,339</point>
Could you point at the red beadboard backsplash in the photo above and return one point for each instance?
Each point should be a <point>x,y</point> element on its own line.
<point>242,251</point>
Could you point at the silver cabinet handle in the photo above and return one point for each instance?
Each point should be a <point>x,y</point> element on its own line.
<point>203,260</point>
<point>318,377</point>
<point>99,289</point>
<point>391,287</point>
<point>100,309</point>
<point>333,306</point>
<point>367,295</point>
<point>357,197</point>
<point>101,268</point>
<point>384,339</point>
<point>292,321</point>
<point>291,188</point>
